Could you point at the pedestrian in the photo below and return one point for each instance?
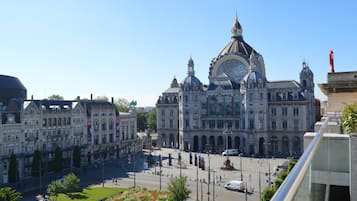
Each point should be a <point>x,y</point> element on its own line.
<point>220,178</point>
<point>116,181</point>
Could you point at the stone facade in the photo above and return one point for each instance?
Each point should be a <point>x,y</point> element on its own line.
<point>340,90</point>
<point>239,108</point>
<point>94,125</point>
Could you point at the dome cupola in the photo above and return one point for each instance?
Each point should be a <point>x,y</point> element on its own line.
<point>191,81</point>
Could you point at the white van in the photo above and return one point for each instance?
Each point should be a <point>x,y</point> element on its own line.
<point>230,152</point>
<point>235,185</point>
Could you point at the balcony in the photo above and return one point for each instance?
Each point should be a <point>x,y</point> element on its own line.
<point>326,170</point>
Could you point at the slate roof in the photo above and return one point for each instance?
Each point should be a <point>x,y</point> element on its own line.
<point>8,82</point>
<point>283,84</point>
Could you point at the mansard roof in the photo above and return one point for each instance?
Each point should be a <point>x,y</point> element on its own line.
<point>283,84</point>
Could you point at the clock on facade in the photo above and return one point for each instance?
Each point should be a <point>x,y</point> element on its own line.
<point>234,69</point>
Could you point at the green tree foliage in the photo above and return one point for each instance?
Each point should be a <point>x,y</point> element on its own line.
<point>55,97</point>
<point>77,156</point>
<point>35,169</point>
<point>283,174</point>
<point>151,120</point>
<point>58,160</point>
<point>349,118</point>
<point>291,165</point>
<point>277,183</point>
<point>178,190</point>
<point>70,183</point>
<point>141,121</point>
<point>267,194</point>
<point>13,169</point>
<point>9,194</point>
<point>122,104</point>
<point>55,187</point>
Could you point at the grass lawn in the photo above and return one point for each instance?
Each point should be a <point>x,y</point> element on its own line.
<point>89,194</point>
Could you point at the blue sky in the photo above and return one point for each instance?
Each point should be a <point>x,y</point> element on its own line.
<point>133,49</point>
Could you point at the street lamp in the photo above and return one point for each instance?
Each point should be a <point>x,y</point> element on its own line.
<point>208,147</point>
<point>260,184</point>
<point>241,170</point>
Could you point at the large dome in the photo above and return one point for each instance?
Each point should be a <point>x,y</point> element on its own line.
<point>11,88</point>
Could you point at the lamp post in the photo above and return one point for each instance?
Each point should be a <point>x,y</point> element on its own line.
<point>214,183</point>
<point>160,164</point>
<point>102,154</point>
<point>260,184</point>
<point>241,170</point>
<point>40,177</point>
<point>197,181</point>
<point>208,147</point>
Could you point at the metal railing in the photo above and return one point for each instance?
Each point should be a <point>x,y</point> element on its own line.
<point>290,186</point>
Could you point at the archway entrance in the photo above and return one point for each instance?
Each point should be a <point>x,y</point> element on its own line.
<point>195,143</point>
<point>212,143</point>
<point>229,142</point>
<point>220,145</point>
<point>203,143</point>
<point>237,143</point>
<point>285,146</point>
<point>296,145</point>
<point>261,146</point>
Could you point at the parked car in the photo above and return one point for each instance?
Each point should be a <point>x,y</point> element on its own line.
<point>235,185</point>
<point>230,152</point>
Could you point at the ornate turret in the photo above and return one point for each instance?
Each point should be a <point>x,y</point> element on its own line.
<point>237,29</point>
<point>190,65</point>
<point>306,77</point>
<point>174,83</point>
<point>252,62</point>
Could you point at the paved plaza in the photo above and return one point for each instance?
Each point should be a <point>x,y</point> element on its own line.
<point>150,178</point>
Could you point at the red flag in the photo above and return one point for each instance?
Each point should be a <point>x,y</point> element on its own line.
<point>332,68</point>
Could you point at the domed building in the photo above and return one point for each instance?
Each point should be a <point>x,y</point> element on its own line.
<point>239,108</point>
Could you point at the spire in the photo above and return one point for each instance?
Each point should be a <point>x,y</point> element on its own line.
<point>252,60</point>
<point>237,28</point>
<point>190,65</point>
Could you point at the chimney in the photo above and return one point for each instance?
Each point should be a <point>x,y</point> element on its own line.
<point>91,96</point>
<point>31,97</point>
<point>112,100</point>
<point>78,98</point>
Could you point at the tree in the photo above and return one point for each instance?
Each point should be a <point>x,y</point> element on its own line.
<point>178,190</point>
<point>9,194</point>
<point>291,165</point>
<point>58,160</point>
<point>141,121</point>
<point>283,174</point>
<point>70,183</point>
<point>267,194</point>
<point>77,156</point>
<point>349,118</point>
<point>13,169</point>
<point>55,187</point>
<point>277,183</point>
<point>55,97</point>
<point>36,160</point>
<point>151,120</point>
<point>122,104</point>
